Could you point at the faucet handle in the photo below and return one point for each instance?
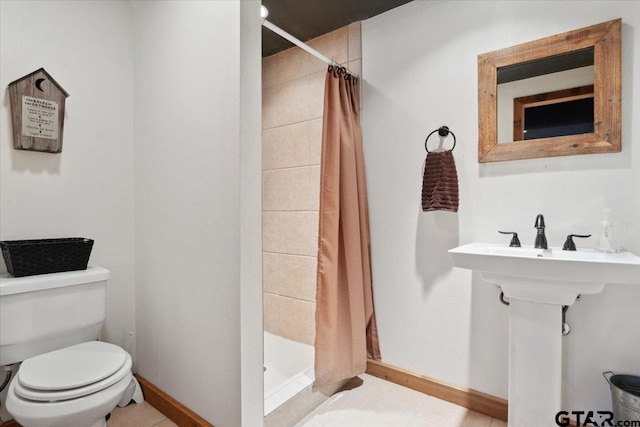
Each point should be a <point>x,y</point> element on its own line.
<point>539,221</point>
<point>515,242</point>
<point>569,245</point>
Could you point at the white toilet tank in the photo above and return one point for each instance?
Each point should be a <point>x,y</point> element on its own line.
<point>48,312</point>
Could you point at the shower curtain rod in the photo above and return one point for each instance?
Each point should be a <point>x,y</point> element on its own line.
<point>282,33</point>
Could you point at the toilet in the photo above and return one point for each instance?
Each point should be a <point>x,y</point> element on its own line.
<point>67,378</point>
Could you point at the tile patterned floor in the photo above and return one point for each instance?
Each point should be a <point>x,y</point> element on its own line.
<point>139,415</point>
<point>377,402</point>
<point>374,403</point>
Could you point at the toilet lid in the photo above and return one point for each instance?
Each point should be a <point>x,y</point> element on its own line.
<point>72,367</point>
<point>123,373</point>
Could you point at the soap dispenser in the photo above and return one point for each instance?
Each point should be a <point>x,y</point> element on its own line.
<point>606,241</point>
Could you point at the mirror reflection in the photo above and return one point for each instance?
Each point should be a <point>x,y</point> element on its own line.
<point>548,97</point>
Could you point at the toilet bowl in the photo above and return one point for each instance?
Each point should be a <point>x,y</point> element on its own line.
<point>75,386</point>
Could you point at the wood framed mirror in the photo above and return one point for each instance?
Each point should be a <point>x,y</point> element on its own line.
<point>554,75</point>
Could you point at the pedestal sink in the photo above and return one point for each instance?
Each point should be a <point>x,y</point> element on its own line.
<point>538,282</point>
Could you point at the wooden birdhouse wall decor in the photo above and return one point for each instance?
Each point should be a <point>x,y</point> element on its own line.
<point>37,112</point>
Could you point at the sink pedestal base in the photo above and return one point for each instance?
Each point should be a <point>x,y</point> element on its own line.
<point>535,363</point>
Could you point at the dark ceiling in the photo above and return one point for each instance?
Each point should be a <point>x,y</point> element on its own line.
<point>307,19</point>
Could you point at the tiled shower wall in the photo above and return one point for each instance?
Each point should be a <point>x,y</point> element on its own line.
<point>292,108</point>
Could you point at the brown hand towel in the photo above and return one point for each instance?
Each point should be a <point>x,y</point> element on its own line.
<point>440,182</point>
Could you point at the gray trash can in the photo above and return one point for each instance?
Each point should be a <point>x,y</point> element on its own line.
<point>625,396</point>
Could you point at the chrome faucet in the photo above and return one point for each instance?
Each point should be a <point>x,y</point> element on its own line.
<point>541,239</point>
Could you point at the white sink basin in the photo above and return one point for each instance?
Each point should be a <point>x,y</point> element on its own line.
<point>550,276</point>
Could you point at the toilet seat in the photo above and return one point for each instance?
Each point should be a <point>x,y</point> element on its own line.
<point>72,372</point>
<point>85,411</point>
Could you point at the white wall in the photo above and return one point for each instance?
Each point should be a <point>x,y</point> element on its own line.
<point>252,375</point>
<point>188,216</point>
<point>87,189</point>
<point>421,66</point>
<point>194,148</point>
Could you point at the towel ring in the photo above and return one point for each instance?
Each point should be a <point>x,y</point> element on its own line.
<point>442,131</point>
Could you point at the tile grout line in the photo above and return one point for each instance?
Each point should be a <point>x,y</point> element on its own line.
<point>159,422</point>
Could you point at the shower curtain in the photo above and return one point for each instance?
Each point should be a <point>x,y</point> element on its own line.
<point>345,322</point>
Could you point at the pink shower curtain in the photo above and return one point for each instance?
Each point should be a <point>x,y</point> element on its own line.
<point>346,331</point>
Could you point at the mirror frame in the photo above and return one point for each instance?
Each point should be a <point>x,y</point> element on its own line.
<point>605,38</point>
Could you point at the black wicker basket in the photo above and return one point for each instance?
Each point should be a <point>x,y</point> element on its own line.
<point>30,257</point>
